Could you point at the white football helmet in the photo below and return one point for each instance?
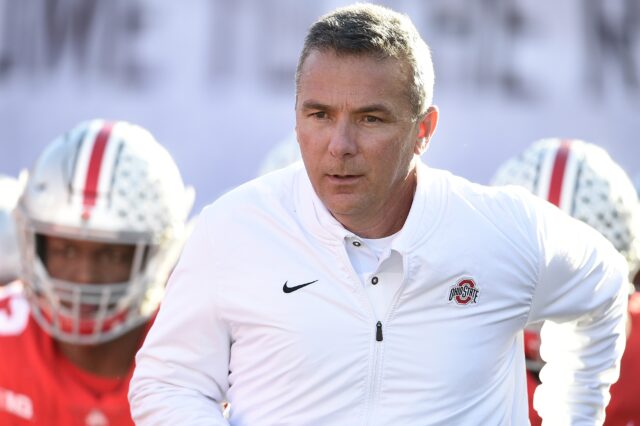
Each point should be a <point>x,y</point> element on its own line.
<point>281,155</point>
<point>582,180</point>
<point>9,255</point>
<point>108,182</point>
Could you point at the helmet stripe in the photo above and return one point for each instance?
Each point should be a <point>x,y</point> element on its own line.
<point>557,175</point>
<point>90,192</point>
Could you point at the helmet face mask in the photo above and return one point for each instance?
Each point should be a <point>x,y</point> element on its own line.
<point>130,194</point>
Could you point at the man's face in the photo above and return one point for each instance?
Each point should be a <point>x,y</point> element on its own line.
<point>88,262</point>
<point>356,132</point>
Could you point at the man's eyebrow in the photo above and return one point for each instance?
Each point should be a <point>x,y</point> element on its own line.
<point>307,105</point>
<point>315,105</point>
<point>374,108</point>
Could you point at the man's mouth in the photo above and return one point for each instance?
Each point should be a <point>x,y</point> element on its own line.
<point>343,178</point>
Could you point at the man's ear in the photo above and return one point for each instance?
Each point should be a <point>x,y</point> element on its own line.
<point>422,130</point>
<point>426,129</point>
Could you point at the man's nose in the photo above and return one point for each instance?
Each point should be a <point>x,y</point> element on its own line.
<point>85,271</point>
<point>343,139</point>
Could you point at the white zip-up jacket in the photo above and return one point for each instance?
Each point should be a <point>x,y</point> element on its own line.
<point>265,310</point>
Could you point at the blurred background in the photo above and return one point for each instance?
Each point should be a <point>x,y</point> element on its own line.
<point>213,79</point>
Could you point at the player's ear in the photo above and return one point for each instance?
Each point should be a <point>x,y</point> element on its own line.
<point>426,128</point>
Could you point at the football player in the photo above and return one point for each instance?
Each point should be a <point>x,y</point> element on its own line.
<point>582,180</point>
<point>100,224</point>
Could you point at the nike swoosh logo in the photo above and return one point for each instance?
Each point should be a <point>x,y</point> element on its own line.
<point>294,288</point>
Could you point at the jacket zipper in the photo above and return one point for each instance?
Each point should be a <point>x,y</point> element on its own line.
<point>377,348</point>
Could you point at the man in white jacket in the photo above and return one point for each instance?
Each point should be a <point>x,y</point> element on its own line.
<point>366,288</point>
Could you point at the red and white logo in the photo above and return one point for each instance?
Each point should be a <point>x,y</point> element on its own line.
<point>464,292</point>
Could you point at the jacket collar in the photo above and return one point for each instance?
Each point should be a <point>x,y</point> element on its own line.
<point>426,208</point>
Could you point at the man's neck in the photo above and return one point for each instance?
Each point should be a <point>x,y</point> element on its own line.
<point>388,220</point>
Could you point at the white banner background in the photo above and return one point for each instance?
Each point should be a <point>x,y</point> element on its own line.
<point>213,80</point>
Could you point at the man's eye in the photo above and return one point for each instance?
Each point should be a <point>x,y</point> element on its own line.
<point>371,119</point>
<point>319,114</point>
<point>112,256</point>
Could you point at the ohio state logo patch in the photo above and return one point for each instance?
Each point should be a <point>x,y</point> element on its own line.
<point>464,292</point>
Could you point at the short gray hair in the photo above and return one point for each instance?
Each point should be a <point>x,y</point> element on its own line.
<point>367,29</point>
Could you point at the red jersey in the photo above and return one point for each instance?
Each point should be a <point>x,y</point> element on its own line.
<point>532,384</point>
<point>39,386</point>
<point>624,408</point>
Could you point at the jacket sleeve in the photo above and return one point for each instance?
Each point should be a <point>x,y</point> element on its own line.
<point>581,294</point>
<point>181,370</point>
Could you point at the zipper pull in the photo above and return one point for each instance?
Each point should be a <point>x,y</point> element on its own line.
<point>379,331</point>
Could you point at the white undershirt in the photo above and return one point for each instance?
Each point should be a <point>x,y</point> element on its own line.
<point>379,269</point>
